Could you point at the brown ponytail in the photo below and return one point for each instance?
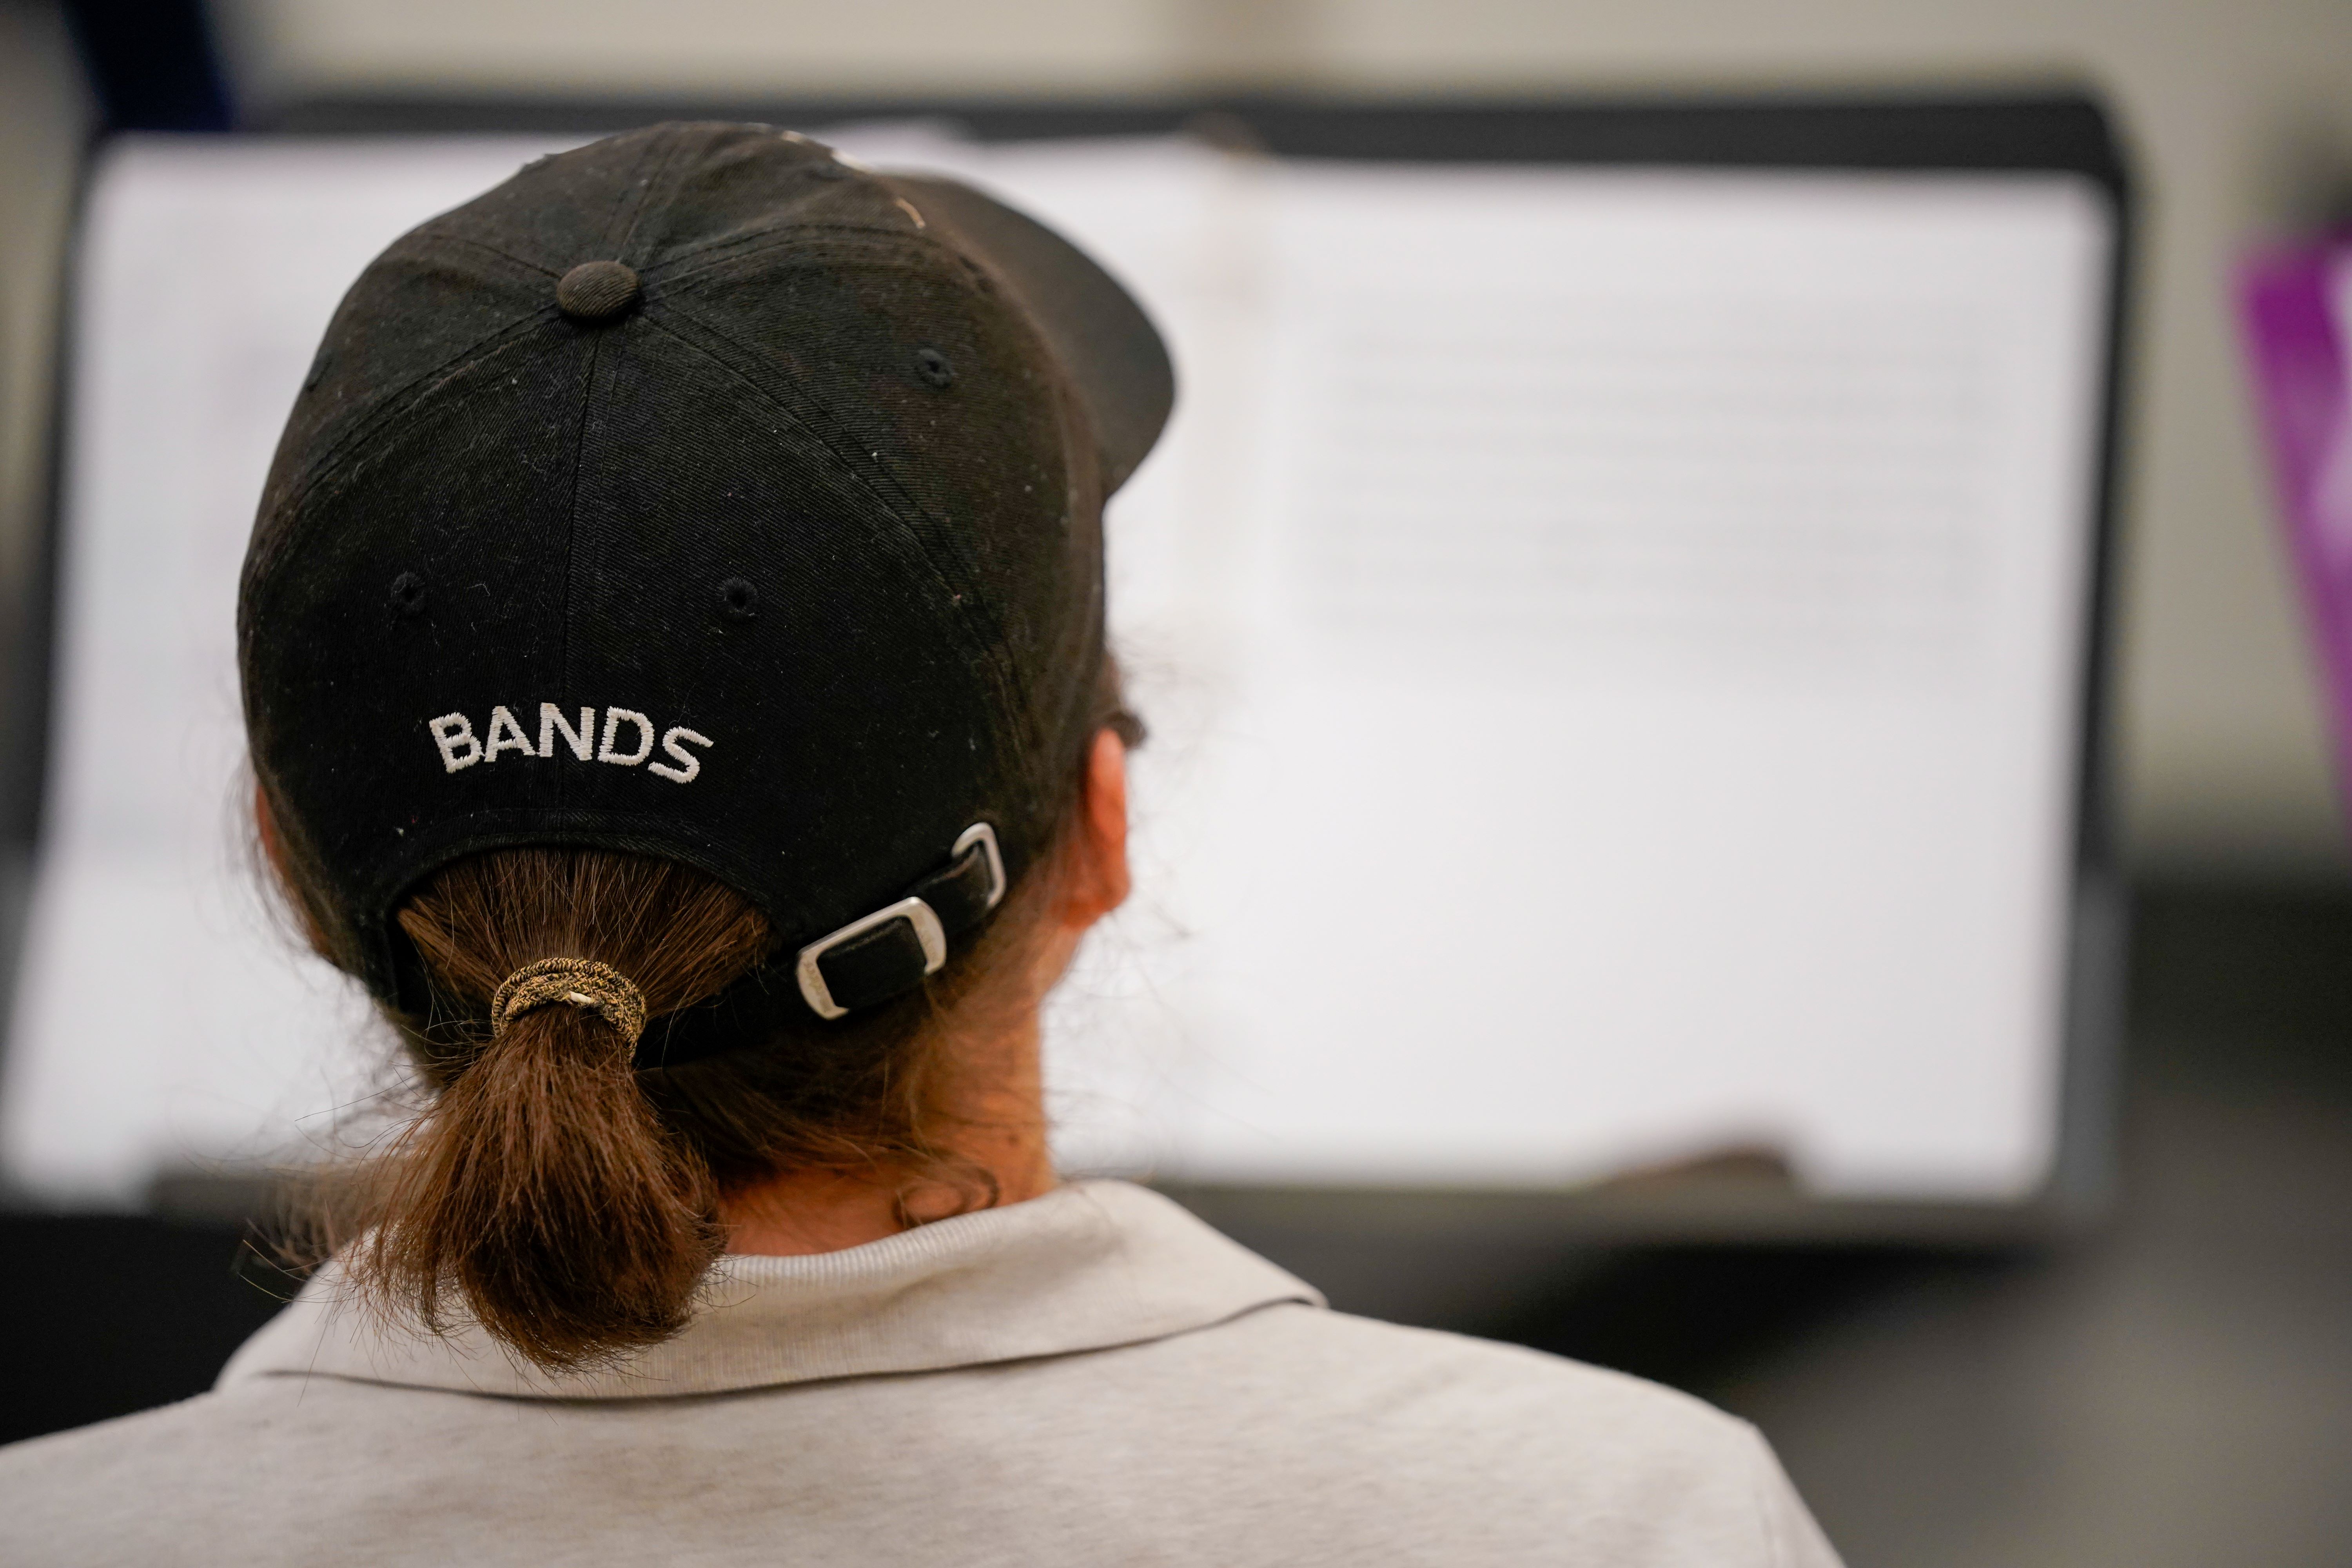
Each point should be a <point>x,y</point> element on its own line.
<point>541,1195</point>
<point>568,1203</point>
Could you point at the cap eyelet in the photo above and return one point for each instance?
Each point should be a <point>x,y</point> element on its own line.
<point>408,593</point>
<point>738,599</point>
<point>934,368</point>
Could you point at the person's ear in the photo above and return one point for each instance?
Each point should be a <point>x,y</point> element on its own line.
<point>1098,880</point>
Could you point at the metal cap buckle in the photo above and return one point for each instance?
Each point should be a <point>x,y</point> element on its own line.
<point>914,912</point>
<point>985,835</point>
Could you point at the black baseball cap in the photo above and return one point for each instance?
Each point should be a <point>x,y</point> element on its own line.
<point>698,494</point>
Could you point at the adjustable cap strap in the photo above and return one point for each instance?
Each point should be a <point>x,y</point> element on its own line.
<point>870,959</point>
<point>973,883</point>
<point>879,956</point>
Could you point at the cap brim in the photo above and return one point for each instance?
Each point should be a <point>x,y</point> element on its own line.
<point>1092,324</point>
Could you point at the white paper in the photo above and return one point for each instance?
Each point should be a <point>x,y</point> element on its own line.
<point>1612,643</point>
<point>1646,684</point>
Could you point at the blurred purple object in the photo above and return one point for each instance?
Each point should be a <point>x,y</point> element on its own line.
<point>2295,307</point>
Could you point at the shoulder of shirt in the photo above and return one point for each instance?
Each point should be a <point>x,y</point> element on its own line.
<point>1500,1430</point>
<point>65,1494</point>
<point>1411,1432</point>
<point>1309,1360</point>
<point>193,1419</point>
<point>1315,1353</point>
<point>68,1457</point>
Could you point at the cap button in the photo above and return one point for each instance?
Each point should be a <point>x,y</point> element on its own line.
<point>596,290</point>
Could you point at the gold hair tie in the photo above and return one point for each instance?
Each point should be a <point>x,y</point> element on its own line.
<point>581,982</point>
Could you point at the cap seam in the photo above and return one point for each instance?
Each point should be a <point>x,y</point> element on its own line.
<point>571,528</point>
<point>629,201</point>
<point>722,253</point>
<point>987,640</point>
<point>670,149</point>
<point>645,193</point>
<point>453,237</point>
<point>397,398</point>
<point>393,406</point>
<point>635,210</point>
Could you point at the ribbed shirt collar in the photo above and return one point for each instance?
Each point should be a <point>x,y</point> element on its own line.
<point>1086,1266</point>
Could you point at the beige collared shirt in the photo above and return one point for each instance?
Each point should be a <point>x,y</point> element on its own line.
<point>1093,1377</point>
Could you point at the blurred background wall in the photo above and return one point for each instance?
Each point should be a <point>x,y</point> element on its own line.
<point>2241,113</point>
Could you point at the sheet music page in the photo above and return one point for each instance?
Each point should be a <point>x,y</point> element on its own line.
<point>1646,682</point>
<point>1611,644</point>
